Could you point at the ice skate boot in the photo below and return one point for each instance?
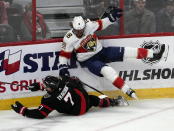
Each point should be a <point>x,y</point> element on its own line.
<point>130,92</point>
<point>158,53</point>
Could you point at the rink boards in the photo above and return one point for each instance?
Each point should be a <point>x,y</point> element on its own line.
<point>26,64</point>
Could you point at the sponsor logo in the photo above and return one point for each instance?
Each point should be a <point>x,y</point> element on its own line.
<point>156,47</point>
<point>148,74</point>
<point>10,62</point>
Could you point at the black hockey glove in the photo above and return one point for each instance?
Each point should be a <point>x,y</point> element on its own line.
<point>107,12</point>
<point>19,108</point>
<point>63,70</point>
<point>75,79</point>
<point>75,82</point>
<point>70,79</point>
<point>34,87</point>
<point>115,14</point>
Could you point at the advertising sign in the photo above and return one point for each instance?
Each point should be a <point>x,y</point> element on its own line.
<point>26,64</point>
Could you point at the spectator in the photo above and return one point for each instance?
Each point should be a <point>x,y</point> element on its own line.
<point>42,31</point>
<point>139,19</point>
<point>3,12</point>
<point>165,18</point>
<point>155,5</point>
<point>15,18</point>
<point>5,8</point>
<point>7,33</point>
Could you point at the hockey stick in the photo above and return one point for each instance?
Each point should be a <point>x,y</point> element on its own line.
<point>92,88</point>
<point>14,84</point>
<point>29,86</point>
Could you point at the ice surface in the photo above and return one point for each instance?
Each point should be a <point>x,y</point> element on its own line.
<point>141,115</point>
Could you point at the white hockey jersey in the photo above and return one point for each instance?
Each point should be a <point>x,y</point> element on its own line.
<point>84,47</point>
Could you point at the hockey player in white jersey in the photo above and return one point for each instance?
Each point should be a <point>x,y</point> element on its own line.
<point>90,53</point>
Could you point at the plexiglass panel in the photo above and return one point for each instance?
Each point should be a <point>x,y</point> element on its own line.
<point>53,17</point>
<point>59,13</point>
<point>148,16</point>
<point>15,24</point>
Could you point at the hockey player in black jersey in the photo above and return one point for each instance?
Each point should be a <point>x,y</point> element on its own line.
<point>65,96</point>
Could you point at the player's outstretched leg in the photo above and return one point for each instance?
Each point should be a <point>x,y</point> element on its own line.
<point>110,74</point>
<point>106,101</point>
<point>137,53</point>
<point>140,53</point>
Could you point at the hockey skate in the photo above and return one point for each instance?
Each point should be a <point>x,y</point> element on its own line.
<point>158,53</point>
<point>130,92</point>
<point>119,101</point>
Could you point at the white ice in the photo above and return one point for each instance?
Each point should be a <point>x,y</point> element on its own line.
<point>141,115</point>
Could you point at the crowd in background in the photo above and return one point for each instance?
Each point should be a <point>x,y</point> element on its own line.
<point>140,16</point>
<point>149,16</point>
<point>16,22</point>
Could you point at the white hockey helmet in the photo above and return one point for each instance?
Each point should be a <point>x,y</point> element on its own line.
<point>78,23</point>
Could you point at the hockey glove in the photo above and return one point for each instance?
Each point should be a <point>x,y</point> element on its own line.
<point>75,79</point>
<point>63,70</point>
<point>107,12</point>
<point>19,108</point>
<point>75,82</point>
<point>34,87</point>
<point>115,14</point>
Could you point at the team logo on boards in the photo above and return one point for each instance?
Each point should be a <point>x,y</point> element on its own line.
<point>156,47</point>
<point>10,62</point>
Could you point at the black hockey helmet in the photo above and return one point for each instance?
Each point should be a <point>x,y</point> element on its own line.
<point>51,82</point>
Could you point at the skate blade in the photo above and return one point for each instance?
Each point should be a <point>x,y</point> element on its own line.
<point>134,96</point>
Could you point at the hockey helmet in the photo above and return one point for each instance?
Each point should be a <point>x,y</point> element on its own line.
<point>78,23</point>
<point>51,82</point>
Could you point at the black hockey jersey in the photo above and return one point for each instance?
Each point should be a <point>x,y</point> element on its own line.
<point>71,99</point>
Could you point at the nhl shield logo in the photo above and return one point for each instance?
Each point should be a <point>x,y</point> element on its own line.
<point>156,47</point>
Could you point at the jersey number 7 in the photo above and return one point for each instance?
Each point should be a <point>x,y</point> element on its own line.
<point>68,97</point>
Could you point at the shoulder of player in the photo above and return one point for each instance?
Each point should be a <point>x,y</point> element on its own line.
<point>89,22</point>
<point>69,37</point>
<point>91,25</point>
